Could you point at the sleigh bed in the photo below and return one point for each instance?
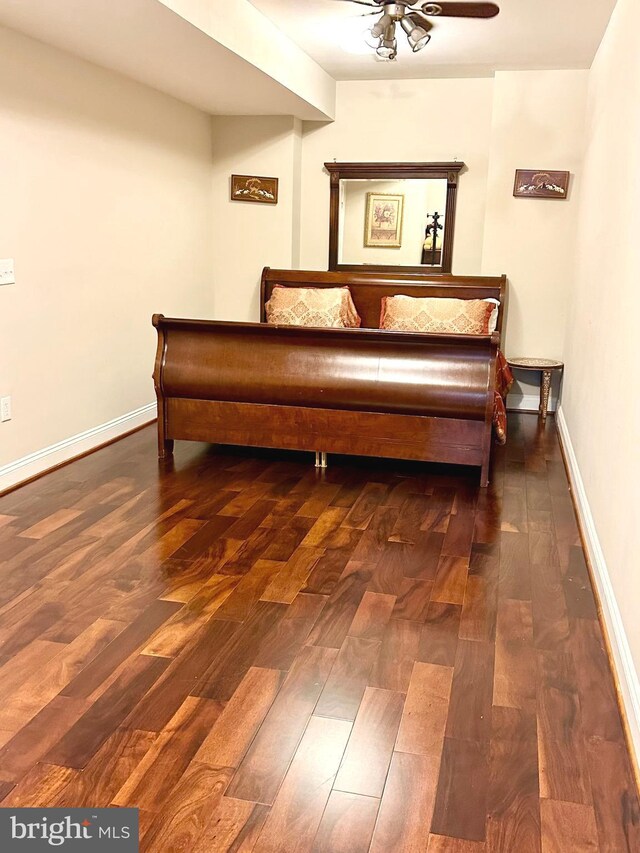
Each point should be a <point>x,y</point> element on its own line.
<point>365,391</point>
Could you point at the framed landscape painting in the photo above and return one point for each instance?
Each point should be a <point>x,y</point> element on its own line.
<point>383,220</point>
<point>254,188</point>
<point>532,183</point>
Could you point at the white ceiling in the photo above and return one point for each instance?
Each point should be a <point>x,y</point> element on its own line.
<point>526,35</point>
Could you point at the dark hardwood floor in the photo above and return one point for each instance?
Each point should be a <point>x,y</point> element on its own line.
<point>261,658</point>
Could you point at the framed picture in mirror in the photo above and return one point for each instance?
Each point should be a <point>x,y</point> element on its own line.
<point>383,220</point>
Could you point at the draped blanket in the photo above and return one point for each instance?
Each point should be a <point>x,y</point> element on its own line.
<point>504,381</point>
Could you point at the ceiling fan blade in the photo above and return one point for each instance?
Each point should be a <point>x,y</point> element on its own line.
<point>460,10</point>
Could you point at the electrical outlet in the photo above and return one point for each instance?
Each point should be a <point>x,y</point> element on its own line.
<point>7,272</point>
<point>5,409</point>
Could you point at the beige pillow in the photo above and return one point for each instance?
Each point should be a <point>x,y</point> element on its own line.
<point>312,306</point>
<point>420,314</point>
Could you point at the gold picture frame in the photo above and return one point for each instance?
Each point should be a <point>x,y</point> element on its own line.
<point>383,221</point>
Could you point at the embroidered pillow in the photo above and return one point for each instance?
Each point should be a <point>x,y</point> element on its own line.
<point>312,306</point>
<point>451,316</point>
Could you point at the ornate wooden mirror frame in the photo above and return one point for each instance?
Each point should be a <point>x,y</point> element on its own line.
<point>386,171</point>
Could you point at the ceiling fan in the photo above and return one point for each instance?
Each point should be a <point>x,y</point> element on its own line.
<point>413,17</point>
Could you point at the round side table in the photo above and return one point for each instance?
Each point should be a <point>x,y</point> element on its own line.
<point>546,367</point>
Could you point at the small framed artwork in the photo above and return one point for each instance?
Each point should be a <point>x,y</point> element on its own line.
<point>254,188</point>
<point>383,220</point>
<point>539,183</point>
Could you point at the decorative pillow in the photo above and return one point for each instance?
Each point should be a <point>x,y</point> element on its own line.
<point>420,314</point>
<point>312,306</point>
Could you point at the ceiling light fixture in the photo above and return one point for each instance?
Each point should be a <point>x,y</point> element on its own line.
<point>382,35</point>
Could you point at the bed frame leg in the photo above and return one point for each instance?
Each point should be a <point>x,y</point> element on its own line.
<point>165,448</point>
<point>321,459</point>
<point>484,475</point>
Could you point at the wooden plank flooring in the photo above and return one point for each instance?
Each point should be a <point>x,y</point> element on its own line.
<point>265,658</point>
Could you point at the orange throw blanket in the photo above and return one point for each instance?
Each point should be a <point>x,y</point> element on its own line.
<point>504,381</point>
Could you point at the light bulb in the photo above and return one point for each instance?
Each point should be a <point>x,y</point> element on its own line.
<point>370,39</point>
<point>422,40</point>
<point>388,49</point>
<point>416,30</point>
<point>381,25</point>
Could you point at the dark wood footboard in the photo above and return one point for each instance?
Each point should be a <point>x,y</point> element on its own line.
<point>357,391</point>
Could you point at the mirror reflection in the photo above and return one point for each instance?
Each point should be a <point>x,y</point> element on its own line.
<point>398,222</point>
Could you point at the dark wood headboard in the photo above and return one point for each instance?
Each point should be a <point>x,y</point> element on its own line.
<point>368,288</point>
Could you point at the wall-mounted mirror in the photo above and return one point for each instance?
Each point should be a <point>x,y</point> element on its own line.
<point>397,216</point>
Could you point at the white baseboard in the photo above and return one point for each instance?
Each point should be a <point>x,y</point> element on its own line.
<point>528,403</point>
<point>625,670</point>
<point>49,457</point>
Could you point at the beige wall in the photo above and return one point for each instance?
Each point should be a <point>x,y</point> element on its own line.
<point>538,123</point>
<point>246,236</point>
<point>600,403</point>
<point>106,209</point>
